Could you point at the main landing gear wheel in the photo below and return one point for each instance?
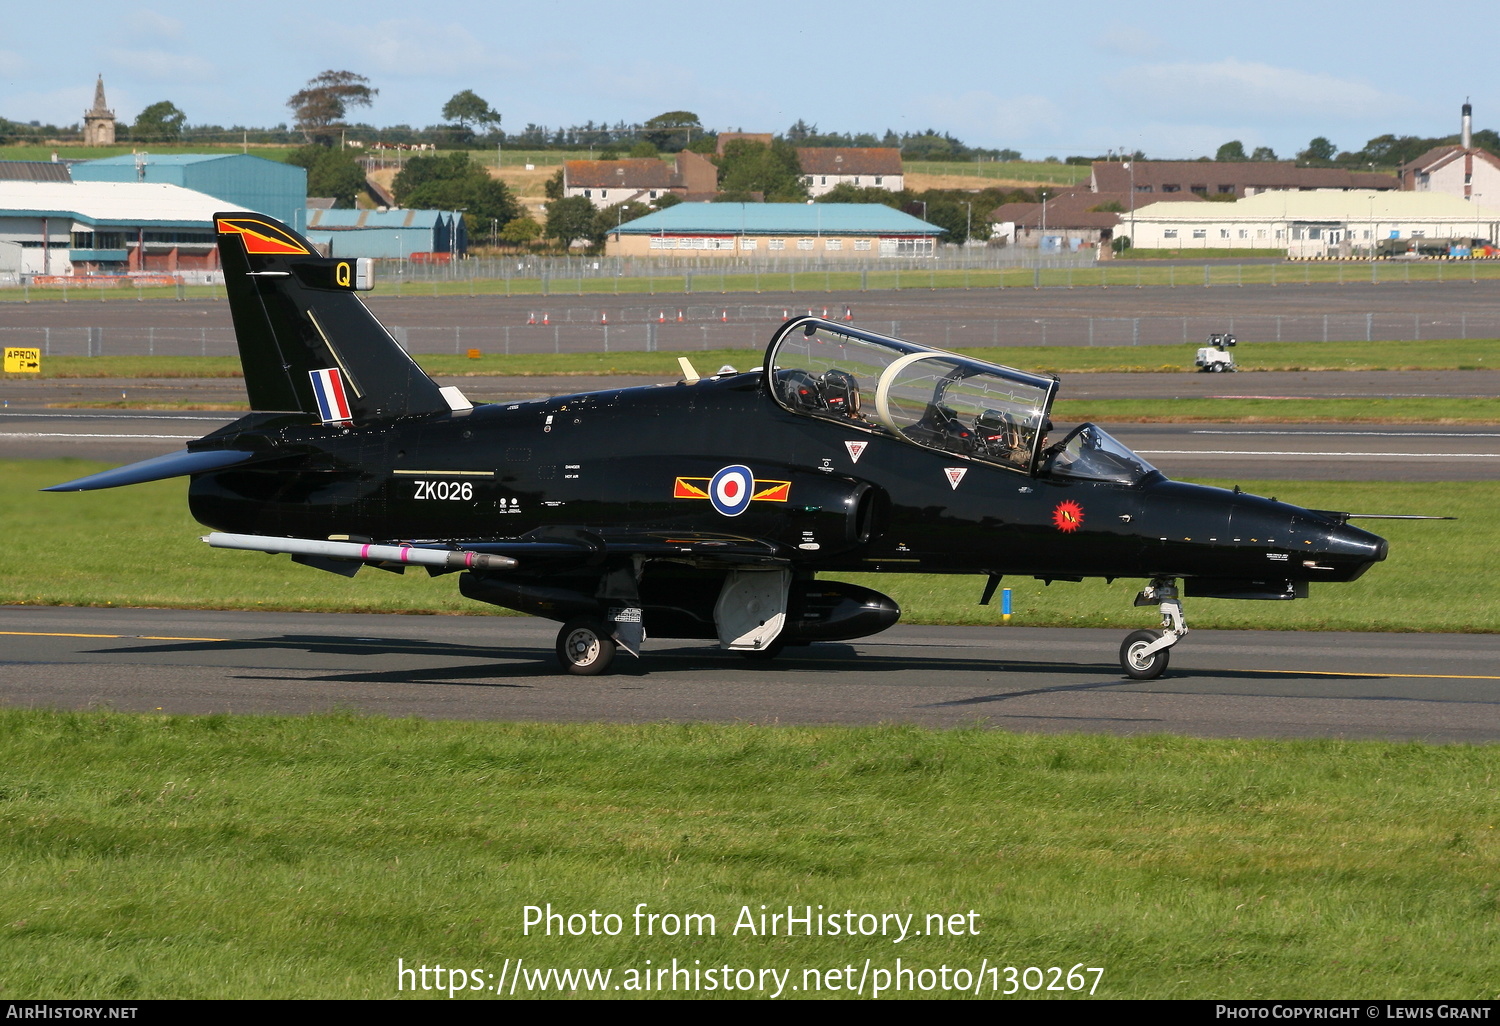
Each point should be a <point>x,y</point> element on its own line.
<point>584,648</point>
<point>1138,666</point>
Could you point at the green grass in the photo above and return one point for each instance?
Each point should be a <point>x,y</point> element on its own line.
<point>1110,274</point>
<point>1038,171</point>
<point>1433,354</point>
<point>300,857</point>
<point>143,550</point>
<point>74,151</point>
<point>1281,411</point>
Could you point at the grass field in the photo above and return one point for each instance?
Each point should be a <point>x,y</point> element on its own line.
<point>1433,354</point>
<point>297,857</point>
<point>143,550</point>
<point>670,281</point>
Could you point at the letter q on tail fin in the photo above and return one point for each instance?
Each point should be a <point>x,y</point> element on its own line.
<point>307,342</point>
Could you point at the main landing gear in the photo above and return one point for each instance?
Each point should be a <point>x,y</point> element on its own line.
<point>1144,654</point>
<point>585,648</point>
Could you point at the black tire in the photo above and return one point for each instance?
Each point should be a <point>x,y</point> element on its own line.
<point>1139,668</point>
<point>584,648</point>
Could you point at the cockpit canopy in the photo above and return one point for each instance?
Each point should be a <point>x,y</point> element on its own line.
<point>924,396</point>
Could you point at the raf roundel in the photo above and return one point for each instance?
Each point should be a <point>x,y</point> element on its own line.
<point>731,490</point>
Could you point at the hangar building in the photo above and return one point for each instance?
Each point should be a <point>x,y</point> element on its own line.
<point>239,180</point>
<point>1313,224</point>
<point>395,234</point>
<point>821,230</point>
<point>58,227</point>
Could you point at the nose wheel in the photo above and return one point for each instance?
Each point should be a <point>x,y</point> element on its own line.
<point>1139,659</point>
<point>1144,654</point>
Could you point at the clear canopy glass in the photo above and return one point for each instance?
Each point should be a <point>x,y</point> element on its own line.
<point>924,396</point>
<point>1092,454</point>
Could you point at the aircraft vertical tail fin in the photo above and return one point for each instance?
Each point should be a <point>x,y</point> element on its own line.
<point>306,341</point>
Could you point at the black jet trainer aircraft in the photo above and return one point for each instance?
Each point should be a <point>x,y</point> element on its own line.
<point>708,508</point>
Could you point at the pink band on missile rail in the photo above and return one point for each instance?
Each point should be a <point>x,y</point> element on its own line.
<point>364,552</point>
<point>405,553</point>
<point>468,559</point>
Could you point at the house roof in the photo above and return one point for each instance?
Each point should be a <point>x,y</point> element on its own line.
<point>632,173</point>
<point>1441,156</point>
<point>779,219</point>
<point>846,160</point>
<point>1075,209</point>
<point>1360,206</point>
<point>1114,176</point>
<point>34,171</point>
<point>170,158</point>
<point>110,203</point>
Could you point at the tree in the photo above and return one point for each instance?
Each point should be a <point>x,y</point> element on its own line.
<point>160,121</point>
<point>673,130</point>
<point>569,219</point>
<point>553,188</point>
<point>471,111</point>
<point>1263,153</point>
<point>644,150</point>
<point>321,106</point>
<point>611,217</point>
<point>846,192</point>
<point>1320,149</point>
<point>1231,151</point>
<point>521,230</point>
<point>330,172</point>
<point>452,182</point>
<point>752,167</point>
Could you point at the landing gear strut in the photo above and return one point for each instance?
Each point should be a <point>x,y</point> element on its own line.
<point>1144,654</point>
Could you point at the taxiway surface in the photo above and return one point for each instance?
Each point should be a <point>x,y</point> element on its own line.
<point>1429,687</point>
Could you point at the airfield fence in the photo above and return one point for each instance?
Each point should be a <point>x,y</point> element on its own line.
<point>577,329</point>
<point>578,276</point>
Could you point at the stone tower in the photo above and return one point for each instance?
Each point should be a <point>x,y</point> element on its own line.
<point>99,123</point>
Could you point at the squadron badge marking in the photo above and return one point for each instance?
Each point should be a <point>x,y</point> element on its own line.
<point>1068,516</point>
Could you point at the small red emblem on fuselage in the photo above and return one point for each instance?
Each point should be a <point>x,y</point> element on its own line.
<point>1068,516</point>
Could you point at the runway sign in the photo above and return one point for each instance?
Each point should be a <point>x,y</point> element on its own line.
<point>23,361</point>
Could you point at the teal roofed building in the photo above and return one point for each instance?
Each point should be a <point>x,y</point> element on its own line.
<point>240,180</point>
<point>831,230</point>
<point>431,235</point>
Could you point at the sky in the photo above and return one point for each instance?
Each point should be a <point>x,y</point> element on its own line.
<point>1172,79</point>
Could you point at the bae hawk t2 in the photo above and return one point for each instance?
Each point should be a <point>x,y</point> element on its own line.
<point>709,508</point>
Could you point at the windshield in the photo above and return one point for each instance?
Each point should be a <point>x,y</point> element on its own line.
<point>928,397</point>
<point>1089,452</point>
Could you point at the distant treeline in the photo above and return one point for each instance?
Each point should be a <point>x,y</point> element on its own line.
<point>619,137</point>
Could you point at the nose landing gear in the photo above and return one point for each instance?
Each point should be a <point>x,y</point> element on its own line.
<point>1144,654</point>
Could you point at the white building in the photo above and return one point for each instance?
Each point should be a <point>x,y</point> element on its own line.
<point>62,228</point>
<point>1311,224</point>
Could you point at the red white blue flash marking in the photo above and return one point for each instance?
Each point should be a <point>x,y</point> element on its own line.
<point>333,403</point>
